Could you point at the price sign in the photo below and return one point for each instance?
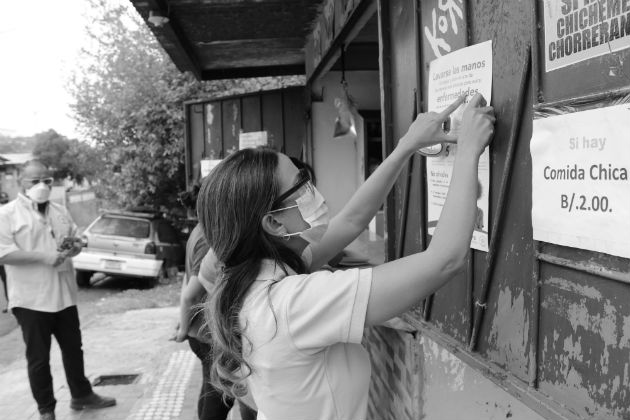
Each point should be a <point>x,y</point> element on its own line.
<point>580,186</point>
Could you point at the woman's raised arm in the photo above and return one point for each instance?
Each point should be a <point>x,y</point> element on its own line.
<point>425,131</point>
<point>399,285</point>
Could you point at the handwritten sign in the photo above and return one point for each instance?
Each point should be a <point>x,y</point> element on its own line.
<point>576,30</point>
<point>252,139</point>
<point>207,165</point>
<point>466,71</point>
<point>580,186</point>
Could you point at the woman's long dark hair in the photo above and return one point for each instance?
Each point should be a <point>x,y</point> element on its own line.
<point>231,205</point>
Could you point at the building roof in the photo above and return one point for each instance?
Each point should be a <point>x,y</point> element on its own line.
<point>221,39</point>
<point>15,158</point>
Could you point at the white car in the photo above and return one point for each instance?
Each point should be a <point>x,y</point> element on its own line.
<point>131,244</point>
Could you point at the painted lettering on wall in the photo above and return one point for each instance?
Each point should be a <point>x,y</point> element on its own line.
<point>446,18</point>
<point>576,30</point>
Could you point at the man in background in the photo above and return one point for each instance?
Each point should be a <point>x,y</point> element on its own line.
<point>37,242</point>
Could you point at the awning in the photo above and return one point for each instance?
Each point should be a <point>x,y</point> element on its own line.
<point>218,39</point>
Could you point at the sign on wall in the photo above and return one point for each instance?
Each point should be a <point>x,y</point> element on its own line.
<point>252,139</point>
<point>207,165</point>
<point>576,30</point>
<point>580,187</point>
<point>465,71</point>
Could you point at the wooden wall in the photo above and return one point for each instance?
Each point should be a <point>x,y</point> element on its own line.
<point>213,127</point>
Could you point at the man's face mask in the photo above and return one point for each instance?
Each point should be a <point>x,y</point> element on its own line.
<point>40,190</point>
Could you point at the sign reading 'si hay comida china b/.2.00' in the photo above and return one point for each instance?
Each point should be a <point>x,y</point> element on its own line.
<point>580,184</point>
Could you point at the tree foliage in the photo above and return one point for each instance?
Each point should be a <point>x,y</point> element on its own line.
<point>128,98</point>
<point>67,157</point>
<point>10,144</point>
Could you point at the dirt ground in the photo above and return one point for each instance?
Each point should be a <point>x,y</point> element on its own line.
<point>106,295</point>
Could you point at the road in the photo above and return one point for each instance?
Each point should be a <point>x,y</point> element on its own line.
<point>106,295</point>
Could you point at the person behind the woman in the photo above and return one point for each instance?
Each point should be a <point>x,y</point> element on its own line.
<point>290,338</point>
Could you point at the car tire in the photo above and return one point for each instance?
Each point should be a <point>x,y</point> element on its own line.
<point>83,277</point>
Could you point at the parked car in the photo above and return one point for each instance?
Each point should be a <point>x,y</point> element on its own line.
<point>129,243</point>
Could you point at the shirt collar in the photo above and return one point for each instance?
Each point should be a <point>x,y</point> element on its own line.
<point>269,270</point>
<point>27,202</point>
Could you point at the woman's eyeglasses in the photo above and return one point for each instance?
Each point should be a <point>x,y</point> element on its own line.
<point>303,178</point>
<point>35,181</point>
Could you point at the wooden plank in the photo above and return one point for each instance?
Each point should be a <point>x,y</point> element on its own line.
<point>251,115</point>
<point>214,134</point>
<point>246,72</point>
<point>272,119</point>
<point>294,122</point>
<point>504,335</point>
<point>231,117</point>
<point>196,140</point>
<point>385,83</point>
<point>323,60</point>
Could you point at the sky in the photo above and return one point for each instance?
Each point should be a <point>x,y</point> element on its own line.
<point>39,45</point>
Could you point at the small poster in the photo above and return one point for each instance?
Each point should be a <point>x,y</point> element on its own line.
<point>465,71</point>
<point>252,139</point>
<point>576,30</point>
<point>580,187</point>
<point>207,165</point>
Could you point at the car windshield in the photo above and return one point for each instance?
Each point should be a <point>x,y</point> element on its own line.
<point>121,226</point>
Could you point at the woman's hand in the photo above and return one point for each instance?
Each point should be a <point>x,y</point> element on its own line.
<point>477,127</point>
<point>427,129</point>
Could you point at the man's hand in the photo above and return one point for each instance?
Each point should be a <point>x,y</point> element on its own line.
<point>74,251</point>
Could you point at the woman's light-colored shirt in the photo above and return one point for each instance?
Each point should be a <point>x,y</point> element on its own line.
<point>306,353</point>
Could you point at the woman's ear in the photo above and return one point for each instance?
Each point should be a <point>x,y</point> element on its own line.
<point>273,226</point>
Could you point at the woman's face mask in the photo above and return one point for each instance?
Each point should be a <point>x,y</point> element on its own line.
<point>314,212</point>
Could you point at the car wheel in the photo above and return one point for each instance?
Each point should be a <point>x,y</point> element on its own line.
<point>83,277</point>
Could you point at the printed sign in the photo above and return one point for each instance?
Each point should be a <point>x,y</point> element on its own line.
<point>576,30</point>
<point>465,71</point>
<point>207,165</point>
<point>580,187</point>
<point>252,139</point>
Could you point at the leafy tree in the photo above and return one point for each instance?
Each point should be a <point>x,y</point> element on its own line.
<point>129,100</point>
<point>67,157</point>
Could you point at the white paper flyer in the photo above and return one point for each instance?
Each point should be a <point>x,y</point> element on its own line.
<point>468,70</point>
<point>580,186</point>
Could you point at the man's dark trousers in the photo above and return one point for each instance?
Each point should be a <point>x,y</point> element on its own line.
<point>37,329</point>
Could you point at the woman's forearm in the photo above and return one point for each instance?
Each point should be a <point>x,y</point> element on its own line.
<point>454,231</point>
<point>400,284</point>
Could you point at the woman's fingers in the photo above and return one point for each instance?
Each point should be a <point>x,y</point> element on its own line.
<point>477,101</point>
<point>446,112</point>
